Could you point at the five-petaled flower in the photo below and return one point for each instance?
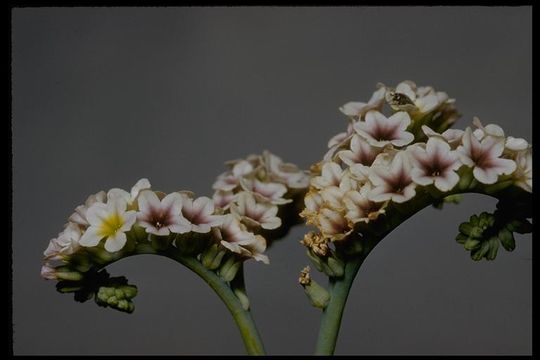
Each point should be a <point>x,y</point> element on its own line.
<point>357,109</point>
<point>435,164</point>
<point>108,221</point>
<point>484,157</point>
<point>393,182</point>
<point>380,131</point>
<point>234,236</point>
<point>256,213</point>
<point>200,214</point>
<point>360,152</point>
<point>161,217</point>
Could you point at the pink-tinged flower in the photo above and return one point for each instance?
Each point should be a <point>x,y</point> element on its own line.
<point>286,173</point>
<point>48,272</point>
<point>269,191</point>
<point>255,213</point>
<point>393,182</point>
<point>234,236</point>
<point>108,221</point>
<point>484,157</point>
<point>66,243</point>
<point>361,152</point>
<point>380,131</point>
<point>356,109</point>
<point>360,208</point>
<point>332,224</point>
<point>452,136</point>
<point>200,214</point>
<point>331,174</point>
<point>223,199</point>
<point>130,197</point>
<point>161,217</point>
<point>231,179</point>
<point>338,142</point>
<point>435,164</point>
<point>523,174</point>
<point>79,216</point>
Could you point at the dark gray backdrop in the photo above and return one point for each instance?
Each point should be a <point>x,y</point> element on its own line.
<point>104,96</point>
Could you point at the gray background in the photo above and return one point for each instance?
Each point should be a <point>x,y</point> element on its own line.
<point>105,96</point>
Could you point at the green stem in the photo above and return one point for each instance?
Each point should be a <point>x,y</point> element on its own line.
<point>241,316</point>
<point>340,287</point>
<point>332,314</point>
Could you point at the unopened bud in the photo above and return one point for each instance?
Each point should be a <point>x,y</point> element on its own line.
<point>228,270</point>
<point>211,257</point>
<point>317,295</point>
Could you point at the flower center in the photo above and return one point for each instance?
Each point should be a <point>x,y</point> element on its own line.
<point>111,224</point>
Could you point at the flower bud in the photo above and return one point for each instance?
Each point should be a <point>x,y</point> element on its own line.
<point>241,295</point>
<point>317,295</point>
<point>211,257</point>
<point>228,270</point>
<point>66,273</point>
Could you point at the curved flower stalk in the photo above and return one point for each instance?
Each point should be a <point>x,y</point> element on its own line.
<point>212,237</point>
<point>385,168</point>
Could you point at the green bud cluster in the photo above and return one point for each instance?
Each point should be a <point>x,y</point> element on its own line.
<point>483,233</point>
<point>113,292</point>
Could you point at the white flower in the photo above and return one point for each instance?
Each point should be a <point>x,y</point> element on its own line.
<point>234,236</point>
<point>361,152</point>
<point>223,198</point>
<point>523,174</point>
<point>256,213</point>
<point>129,197</point>
<point>269,191</point>
<point>380,131</point>
<point>338,141</point>
<point>332,224</point>
<point>435,164</point>
<point>452,136</point>
<point>161,217</point>
<point>231,179</point>
<point>331,174</point>
<point>511,143</point>
<point>200,214</point>
<point>392,182</point>
<point>360,208</point>
<point>284,172</point>
<point>108,221</point>
<point>66,243</point>
<point>79,216</point>
<point>357,109</point>
<point>484,157</point>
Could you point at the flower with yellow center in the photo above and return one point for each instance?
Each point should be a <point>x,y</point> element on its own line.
<point>108,221</point>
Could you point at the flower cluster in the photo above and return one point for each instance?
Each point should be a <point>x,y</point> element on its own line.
<point>383,160</point>
<point>251,194</point>
<point>230,227</point>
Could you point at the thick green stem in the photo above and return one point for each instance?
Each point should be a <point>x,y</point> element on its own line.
<point>340,287</point>
<point>241,316</point>
<point>332,314</point>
